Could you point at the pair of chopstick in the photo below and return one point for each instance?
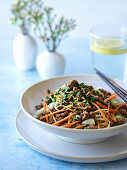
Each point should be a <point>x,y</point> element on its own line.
<point>114,86</point>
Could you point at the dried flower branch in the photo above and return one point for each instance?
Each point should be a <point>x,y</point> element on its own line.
<point>50,29</point>
<point>24,11</point>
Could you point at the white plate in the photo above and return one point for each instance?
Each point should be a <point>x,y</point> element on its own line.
<point>112,149</point>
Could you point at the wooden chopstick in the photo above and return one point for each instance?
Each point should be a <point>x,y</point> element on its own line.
<point>118,90</point>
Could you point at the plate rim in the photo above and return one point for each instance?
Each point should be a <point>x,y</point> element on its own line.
<point>63,157</point>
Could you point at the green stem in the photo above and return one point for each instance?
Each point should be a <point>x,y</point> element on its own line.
<point>24,30</point>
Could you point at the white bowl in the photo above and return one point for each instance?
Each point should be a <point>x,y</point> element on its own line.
<point>33,95</point>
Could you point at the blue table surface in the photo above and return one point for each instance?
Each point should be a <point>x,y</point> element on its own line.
<point>14,152</point>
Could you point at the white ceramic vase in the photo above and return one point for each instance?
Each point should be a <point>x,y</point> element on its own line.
<point>24,51</point>
<point>50,64</point>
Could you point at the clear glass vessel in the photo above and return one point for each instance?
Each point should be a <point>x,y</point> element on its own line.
<point>108,50</point>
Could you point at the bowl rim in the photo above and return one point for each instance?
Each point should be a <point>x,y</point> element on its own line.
<point>114,128</point>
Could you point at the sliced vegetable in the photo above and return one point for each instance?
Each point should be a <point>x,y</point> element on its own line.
<point>120,116</point>
<point>88,122</point>
<point>114,102</point>
<point>111,97</point>
<point>51,107</point>
<point>121,105</point>
<point>77,116</point>
<point>51,113</point>
<point>39,111</point>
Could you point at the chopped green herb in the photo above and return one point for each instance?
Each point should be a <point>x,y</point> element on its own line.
<point>49,100</point>
<point>52,95</point>
<point>38,118</point>
<point>77,91</point>
<point>97,91</point>
<point>68,96</point>
<point>74,101</point>
<point>87,104</point>
<point>93,99</point>
<point>68,89</point>
<point>78,111</point>
<point>48,91</point>
<point>102,101</point>
<point>81,85</point>
<point>88,97</point>
<point>74,117</point>
<point>74,94</point>
<point>107,96</point>
<point>65,97</point>
<point>54,99</point>
<point>57,93</point>
<point>86,125</point>
<point>90,87</point>
<point>75,105</point>
<point>63,90</point>
<point>86,88</point>
<point>59,90</point>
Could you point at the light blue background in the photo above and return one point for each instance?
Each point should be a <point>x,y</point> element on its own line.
<point>88,13</point>
<point>14,153</point>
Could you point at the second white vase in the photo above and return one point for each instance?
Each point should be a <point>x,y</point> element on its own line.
<point>50,64</point>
